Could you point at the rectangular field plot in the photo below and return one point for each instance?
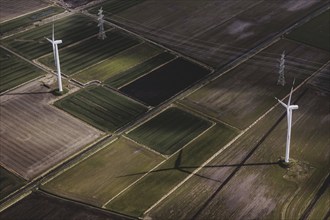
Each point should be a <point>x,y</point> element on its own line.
<point>40,205</point>
<point>101,108</point>
<point>35,136</point>
<point>243,94</point>
<point>9,182</point>
<point>214,32</point>
<point>106,173</point>
<point>90,52</point>
<point>114,6</point>
<point>15,71</point>
<point>161,180</point>
<point>10,9</point>
<point>246,181</point>
<point>29,19</point>
<point>125,77</point>
<point>315,32</point>
<point>32,43</point>
<point>118,63</point>
<point>165,82</point>
<point>169,131</point>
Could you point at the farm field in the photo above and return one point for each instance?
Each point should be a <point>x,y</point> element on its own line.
<point>161,180</point>
<point>90,52</point>
<point>245,181</point>
<point>9,182</point>
<point>15,71</point>
<point>40,205</point>
<point>109,167</point>
<point>129,75</point>
<point>170,130</point>
<point>114,6</point>
<point>117,63</point>
<point>101,108</point>
<point>165,82</point>
<point>35,136</point>
<point>11,9</point>
<point>243,94</point>
<point>32,43</point>
<point>29,19</point>
<point>214,32</point>
<point>315,32</point>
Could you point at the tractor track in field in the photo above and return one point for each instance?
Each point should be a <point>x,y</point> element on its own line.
<point>34,184</point>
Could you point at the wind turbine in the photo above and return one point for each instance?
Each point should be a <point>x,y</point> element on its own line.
<point>289,109</point>
<point>57,59</point>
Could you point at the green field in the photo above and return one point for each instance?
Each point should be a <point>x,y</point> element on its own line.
<point>246,182</point>
<point>169,131</point>
<point>9,182</point>
<point>316,32</point>
<point>101,108</point>
<point>32,43</point>
<point>114,6</point>
<point>156,184</point>
<point>15,71</point>
<point>90,52</point>
<point>29,19</point>
<point>125,77</point>
<point>103,175</point>
<point>118,63</point>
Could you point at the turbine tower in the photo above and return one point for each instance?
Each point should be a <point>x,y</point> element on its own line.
<point>100,24</point>
<point>289,109</point>
<point>57,59</point>
<point>281,78</point>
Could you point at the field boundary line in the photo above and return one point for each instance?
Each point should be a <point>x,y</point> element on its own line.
<point>230,143</point>
<point>152,169</point>
<point>149,118</point>
<point>104,60</point>
<point>139,36</point>
<point>58,197</point>
<point>205,115</point>
<point>124,96</point>
<point>84,158</point>
<point>7,204</point>
<point>36,24</point>
<point>145,147</point>
<point>30,12</point>
<point>148,72</point>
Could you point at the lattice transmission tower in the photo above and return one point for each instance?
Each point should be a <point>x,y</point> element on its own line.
<point>101,34</point>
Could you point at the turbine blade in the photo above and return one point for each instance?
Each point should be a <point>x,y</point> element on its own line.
<point>49,40</point>
<point>282,103</point>
<point>289,102</point>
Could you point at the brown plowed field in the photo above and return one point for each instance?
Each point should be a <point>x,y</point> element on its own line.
<point>34,135</point>
<point>215,32</point>
<point>10,9</point>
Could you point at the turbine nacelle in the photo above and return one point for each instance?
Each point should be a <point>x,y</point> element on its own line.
<point>293,107</point>
<point>54,41</point>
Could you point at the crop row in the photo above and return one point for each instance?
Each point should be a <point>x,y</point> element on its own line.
<point>118,63</point>
<point>32,43</point>
<point>115,6</point>
<point>15,71</point>
<point>169,131</point>
<point>139,70</point>
<point>28,19</point>
<point>101,108</point>
<point>90,52</point>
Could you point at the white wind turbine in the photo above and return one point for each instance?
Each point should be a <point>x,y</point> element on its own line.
<point>289,109</point>
<point>57,59</point>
